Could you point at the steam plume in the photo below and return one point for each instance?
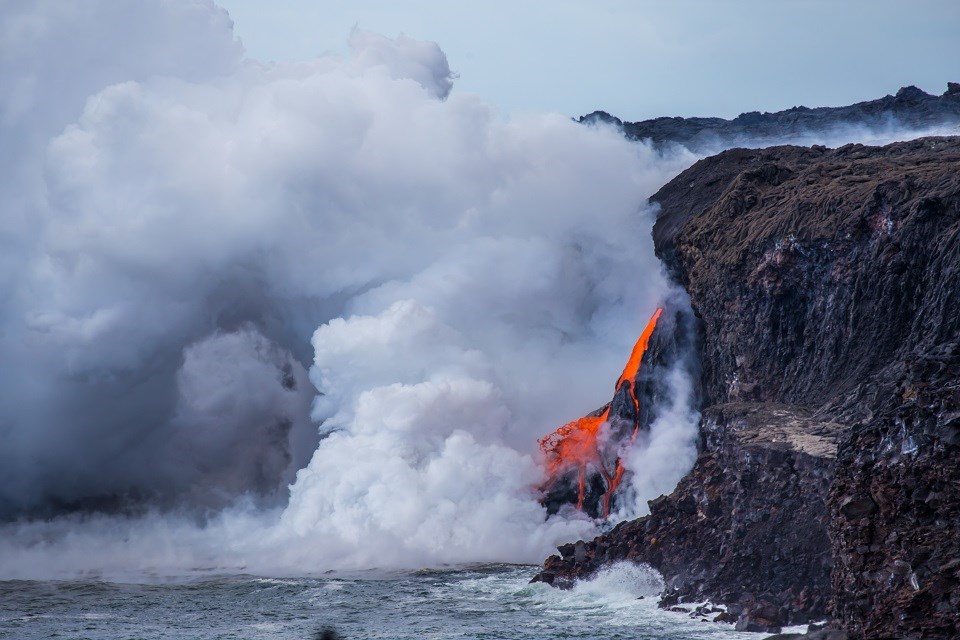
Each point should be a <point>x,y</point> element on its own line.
<point>184,233</point>
<point>181,229</point>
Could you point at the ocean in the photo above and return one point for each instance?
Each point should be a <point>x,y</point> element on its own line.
<point>489,601</point>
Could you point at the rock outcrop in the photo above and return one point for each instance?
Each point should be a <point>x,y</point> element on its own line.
<point>827,284</point>
<point>746,528</point>
<point>895,503</point>
<point>830,279</point>
<point>909,108</point>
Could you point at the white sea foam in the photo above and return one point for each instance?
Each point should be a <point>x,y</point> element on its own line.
<point>622,581</point>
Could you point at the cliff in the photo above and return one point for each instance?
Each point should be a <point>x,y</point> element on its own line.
<point>909,108</point>
<point>826,284</point>
<point>829,279</point>
<point>745,528</point>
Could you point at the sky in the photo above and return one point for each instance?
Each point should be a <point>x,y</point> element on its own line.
<point>641,59</point>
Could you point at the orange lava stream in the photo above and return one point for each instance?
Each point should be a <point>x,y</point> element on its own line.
<point>633,364</point>
<point>575,443</point>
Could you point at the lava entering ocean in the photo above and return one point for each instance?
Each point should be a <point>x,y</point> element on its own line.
<point>584,445</point>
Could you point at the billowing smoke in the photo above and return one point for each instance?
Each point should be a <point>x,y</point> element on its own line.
<point>222,278</point>
<point>189,234</point>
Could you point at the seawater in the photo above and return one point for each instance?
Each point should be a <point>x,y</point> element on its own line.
<point>492,601</point>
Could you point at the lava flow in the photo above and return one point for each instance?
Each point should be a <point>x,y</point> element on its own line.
<point>577,444</point>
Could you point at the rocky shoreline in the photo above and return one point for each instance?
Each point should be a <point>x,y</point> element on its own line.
<point>826,283</point>
<point>745,528</point>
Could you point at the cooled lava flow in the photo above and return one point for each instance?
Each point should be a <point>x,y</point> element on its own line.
<point>581,445</point>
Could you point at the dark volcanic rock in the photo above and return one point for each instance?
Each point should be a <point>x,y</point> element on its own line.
<point>898,549</point>
<point>827,284</point>
<point>830,279</point>
<point>814,270</point>
<point>909,108</point>
<point>746,527</point>
<point>814,632</point>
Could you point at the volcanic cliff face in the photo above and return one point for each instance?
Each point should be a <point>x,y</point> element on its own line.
<point>746,528</point>
<point>909,108</point>
<point>830,279</point>
<point>827,284</point>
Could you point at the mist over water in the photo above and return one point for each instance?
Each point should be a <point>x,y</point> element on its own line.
<point>281,319</point>
<point>225,272</point>
<point>474,602</point>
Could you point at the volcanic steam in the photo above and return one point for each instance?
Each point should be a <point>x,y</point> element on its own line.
<point>285,318</point>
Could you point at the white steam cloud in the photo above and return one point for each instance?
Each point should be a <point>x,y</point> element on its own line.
<point>180,226</point>
<point>222,278</point>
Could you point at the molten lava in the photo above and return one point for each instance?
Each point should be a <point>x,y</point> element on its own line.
<point>576,445</point>
<point>632,367</point>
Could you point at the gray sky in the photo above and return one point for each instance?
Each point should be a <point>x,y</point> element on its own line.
<point>641,58</point>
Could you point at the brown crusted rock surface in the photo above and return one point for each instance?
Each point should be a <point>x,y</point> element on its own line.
<point>814,269</point>
<point>830,279</point>
<point>827,285</point>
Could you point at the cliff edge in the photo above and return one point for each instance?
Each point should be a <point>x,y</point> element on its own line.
<point>827,286</point>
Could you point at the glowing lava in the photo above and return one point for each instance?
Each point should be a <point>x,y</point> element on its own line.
<point>577,444</point>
